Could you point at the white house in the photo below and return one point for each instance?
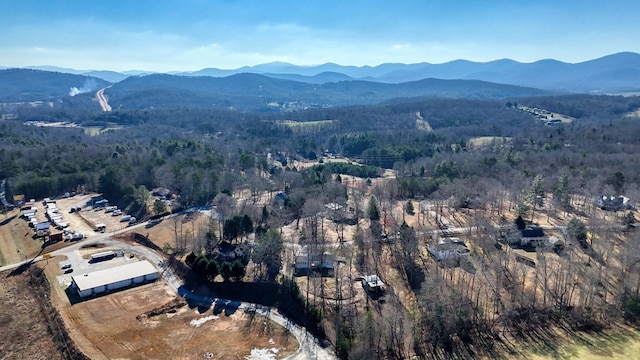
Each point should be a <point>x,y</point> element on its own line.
<point>448,249</point>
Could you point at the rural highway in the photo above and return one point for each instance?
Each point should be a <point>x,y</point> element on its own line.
<point>310,347</point>
<point>102,100</point>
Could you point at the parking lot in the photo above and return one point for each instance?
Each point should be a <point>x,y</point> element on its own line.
<point>85,220</point>
<point>80,262</point>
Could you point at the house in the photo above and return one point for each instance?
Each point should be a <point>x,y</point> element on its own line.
<point>161,192</point>
<point>226,251</point>
<point>448,249</point>
<point>321,263</point>
<point>373,286</point>
<point>532,236</point>
<point>333,206</point>
<point>340,215</point>
<point>614,203</point>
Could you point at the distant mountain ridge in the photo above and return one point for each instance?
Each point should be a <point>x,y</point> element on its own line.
<point>614,73</point>
<point>256,92</point>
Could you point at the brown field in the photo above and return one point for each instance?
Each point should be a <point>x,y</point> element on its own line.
<point>16,241</point>
<point>107,327</point>
<point>24,334</point>
<point>482,142</point>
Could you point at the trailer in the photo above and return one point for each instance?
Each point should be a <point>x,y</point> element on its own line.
<point>55,237</point>
<point>105,255</point>
<point>62,224</point>
<point>42,229</point>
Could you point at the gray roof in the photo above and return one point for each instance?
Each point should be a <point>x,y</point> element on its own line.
<point>447,244</point>
<point>373,281</point>
<point>113,275</point>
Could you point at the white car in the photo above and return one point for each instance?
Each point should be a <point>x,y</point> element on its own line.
<point>116,212</point>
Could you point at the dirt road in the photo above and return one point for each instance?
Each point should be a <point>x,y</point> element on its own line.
<point>102,100</point>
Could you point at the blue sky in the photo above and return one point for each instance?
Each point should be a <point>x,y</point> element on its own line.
<point>188,35</point>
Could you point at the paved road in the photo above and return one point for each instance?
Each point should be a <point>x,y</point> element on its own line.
<point>102,100</point>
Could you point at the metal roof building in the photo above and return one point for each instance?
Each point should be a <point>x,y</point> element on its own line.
<point>101,281</point>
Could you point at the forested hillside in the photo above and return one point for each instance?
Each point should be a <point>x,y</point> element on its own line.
<point>261,93</point>
<point>388,135</point>
<point>493,167</point>
<point>21,85</point>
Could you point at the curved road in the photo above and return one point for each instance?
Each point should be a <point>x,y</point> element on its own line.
<point>102,100</point>
<point>310,347</point>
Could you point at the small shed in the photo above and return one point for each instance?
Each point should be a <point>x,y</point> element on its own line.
<point>373,283</point>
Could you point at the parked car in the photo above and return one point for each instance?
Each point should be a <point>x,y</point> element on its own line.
<point>125,218</point>
<point>117,212</point>
<point>132,220</point>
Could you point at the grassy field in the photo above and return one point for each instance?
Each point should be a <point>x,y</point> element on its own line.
<point>295,124</point>
<point>486,141</point>
<point>16,241</point>
<point>97,130</point>
<point>307,127</point>
<point>618,343</point>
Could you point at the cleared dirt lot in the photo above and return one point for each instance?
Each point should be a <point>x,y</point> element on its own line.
<point>107,328</point>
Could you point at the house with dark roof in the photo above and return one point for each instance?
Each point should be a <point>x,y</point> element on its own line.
<point>532,236</point>
<point>319,263</point>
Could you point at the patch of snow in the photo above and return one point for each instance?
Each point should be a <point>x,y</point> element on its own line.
<point>271,341</point>
<point>262,354</point>
<point>198,322</point>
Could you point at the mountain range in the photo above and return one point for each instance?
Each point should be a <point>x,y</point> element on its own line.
<point>259,92</point>
<point>614,73</point>
<point>285,86</point>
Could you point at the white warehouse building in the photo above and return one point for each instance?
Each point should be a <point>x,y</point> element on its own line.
<point>101,281</point>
